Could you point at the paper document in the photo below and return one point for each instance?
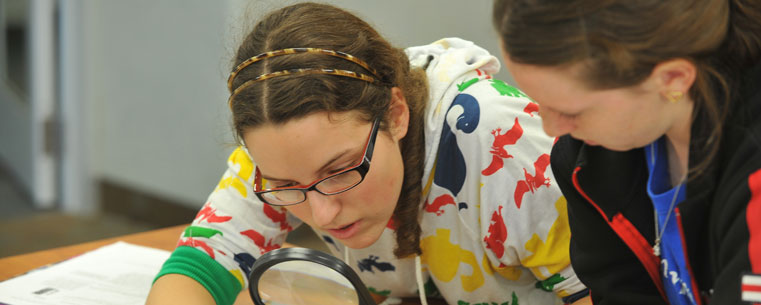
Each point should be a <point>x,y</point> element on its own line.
<point>117,274</point>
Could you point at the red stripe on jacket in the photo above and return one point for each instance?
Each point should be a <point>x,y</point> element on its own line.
<point>630,236</point>
<point>695,288</point>
<point>753,217</point>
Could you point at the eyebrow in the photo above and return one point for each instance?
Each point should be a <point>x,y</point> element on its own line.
<point>322,169</point>
<point>565,113</point>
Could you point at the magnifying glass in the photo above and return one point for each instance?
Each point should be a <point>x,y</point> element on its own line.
<point>301,276</point>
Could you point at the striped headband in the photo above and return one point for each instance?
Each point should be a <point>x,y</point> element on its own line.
<point>265,76</point>
<point>346,73</point>
<point>288,51</point>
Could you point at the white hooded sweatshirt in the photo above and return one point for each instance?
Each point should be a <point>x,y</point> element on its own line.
<point>494,223</point>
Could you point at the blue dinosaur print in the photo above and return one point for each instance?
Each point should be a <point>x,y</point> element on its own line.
<point>450,168</point>
<point>330,241</point>
<point>245,261</point>
<point>367,264</point>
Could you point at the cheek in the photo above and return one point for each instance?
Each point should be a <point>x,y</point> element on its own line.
<point>394,171</point>
<point>601,127</point>
<point>627,120</point>
<point>301,211</point>
<point>379,186</point>
<point>384,182</point>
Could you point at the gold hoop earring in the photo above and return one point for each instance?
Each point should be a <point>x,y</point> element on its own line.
<point>674,96</point>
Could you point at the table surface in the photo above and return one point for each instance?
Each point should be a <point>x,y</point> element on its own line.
<point>11,266</point>
<point>165,239</point>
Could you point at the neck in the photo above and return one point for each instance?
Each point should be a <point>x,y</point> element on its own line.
<point>678,139</point>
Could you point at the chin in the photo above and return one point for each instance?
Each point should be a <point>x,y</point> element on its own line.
<point>621,147</point>
<point>359,243</point>
<point>362,240</point>
<point>614,146</point>
<point>617,148</point>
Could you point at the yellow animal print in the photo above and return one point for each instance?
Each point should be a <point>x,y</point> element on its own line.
<point>239,276</point>
<point>443,259</point>
<point>512,273</point>
<point>246,167</point>
<point>552,253</point>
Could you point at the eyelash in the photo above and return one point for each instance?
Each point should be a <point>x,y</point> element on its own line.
<point>293,184</point>
<point>568,116</point>
<point>283,185</point>
<point>338,170</point>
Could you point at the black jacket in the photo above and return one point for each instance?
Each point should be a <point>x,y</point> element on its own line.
<point>611,216</point>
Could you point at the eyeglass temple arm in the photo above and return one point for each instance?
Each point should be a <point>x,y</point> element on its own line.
<point>371,141</point>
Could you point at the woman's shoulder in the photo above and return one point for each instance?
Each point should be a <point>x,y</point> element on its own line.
<point>240,161</point>
<point>742,132</point>
<point>494,99</point>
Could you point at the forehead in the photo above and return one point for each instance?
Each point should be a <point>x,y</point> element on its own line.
<point>570,76</point>
<point>552,86</point>
<point>304,143</point>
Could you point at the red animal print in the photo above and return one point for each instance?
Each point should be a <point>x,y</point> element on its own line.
<point>484,73</point>
<point>392,224</point>
<point>438,204</point>
<point>196,243</point>
<point>533,183</point>
<point>531,108</point>
<point>264,245</point>
<point>209,214</point>
<point>498,147</point>
<point>278,217</point>
<point>495,240</point>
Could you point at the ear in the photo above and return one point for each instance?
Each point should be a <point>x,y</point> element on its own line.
<point>398,114</point>
<point>674,76</point>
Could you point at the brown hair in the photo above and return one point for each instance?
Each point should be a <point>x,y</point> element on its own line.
<point>621,41</point>
<point>280,99</point>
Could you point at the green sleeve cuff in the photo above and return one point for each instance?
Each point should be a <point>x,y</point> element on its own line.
<point>194,263</point>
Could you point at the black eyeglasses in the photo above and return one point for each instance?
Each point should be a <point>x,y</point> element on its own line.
<point>334,184</point>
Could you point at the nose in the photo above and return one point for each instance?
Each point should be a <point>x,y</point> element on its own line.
<point>556,124</point>
<point>324,208</point>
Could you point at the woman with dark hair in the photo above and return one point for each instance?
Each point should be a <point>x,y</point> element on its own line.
<point>423,173</point>
<point>658,107</point>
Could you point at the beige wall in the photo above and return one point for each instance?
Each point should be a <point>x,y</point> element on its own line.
<point>155,80</point>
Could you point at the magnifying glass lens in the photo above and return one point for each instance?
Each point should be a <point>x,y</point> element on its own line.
<point>305,283</point>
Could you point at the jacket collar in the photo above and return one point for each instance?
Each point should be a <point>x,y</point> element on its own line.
<point>611,178</point>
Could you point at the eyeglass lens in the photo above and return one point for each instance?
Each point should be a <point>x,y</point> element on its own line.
<point>332,185</point>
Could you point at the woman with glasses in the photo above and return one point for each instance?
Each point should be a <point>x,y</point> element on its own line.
<point>419,170</point>
<point>659,107</point>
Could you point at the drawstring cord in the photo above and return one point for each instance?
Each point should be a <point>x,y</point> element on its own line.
<point>419,278</point>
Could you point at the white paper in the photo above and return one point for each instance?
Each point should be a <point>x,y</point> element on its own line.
<point>116,274</point>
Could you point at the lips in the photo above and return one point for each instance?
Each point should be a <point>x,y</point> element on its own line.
<point>346,231</point>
